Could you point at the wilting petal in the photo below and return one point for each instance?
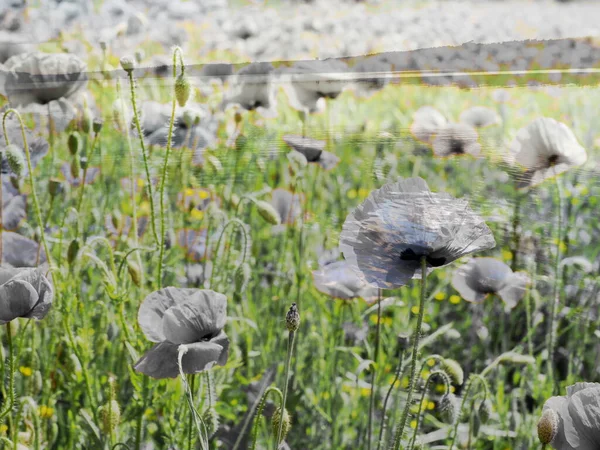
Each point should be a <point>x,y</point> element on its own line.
<point>19,251</point>
<point>202,314</point>
<point>515,289</point>
<point>17,298</point>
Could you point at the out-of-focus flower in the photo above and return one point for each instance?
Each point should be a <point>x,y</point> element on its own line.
<point>339,280</point>
<point>24,293</point>
<point>313,150</point>
<point>287,205</point>
<point>578,412</point>
<point>19,251</point>
<point>38,146</point>
<point>194,243</point>
<point>386,236</point>
<point>252,89</point>
<point>479,117</point>
<point>546,148</point>
<point>483,276</point>
<point>456,139</point>
<point>90,176</point>
<point>427,122</point>
<point>195,318</point>
<point>373,73</point>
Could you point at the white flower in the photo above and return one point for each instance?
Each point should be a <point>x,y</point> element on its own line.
<point>479,117</point>
<point>546,148</point>
<point>427,122</point>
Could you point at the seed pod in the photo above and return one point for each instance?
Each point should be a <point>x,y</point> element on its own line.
<point>110,416</point>
<point>38,382</point>
<point>87,120</point>
<point>83,161</point>
<point>278,419</point>
<point>292,318</point>
<point>547,427</point>
<point>72,251</point>
<point>452,368</point>
<point>75,168</point>
<point>267,212</point>
<point>127,63</point>
<point>15,159</point>
<point>73,143</point>
<point>97,125</point>
<point>183,90</point>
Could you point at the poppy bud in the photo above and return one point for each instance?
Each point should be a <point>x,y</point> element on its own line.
<point>242,276</point>
<point>182,90</point>
<point>73,143</point>
<point>134,272</point>
<point>449,407</point>
<point>267,212</point>
<point>83,161</point>
<point>103,45</point>
<point>211,419</point>
<point>402,341</point>
<point>298,162</point>
<point>237,117</point>
<point>38,382</point>
<point>214,163</point>
<point>453,369</point>
<point>72,251</point>
<point>292,318</point>
<point>277,419</point>
<point>75,168</point>
<point>15,159</point>
<point>86,120</point>
<point>547,426</point>
<point>97,125</point>
<point>127,63</point>
<point>485,411</point>
<point>15,181</point>
<point>139,56</point>
<point>110,416</point>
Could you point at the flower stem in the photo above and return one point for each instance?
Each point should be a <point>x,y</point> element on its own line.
<point>470,383</point>
<point>84,176</point>
<point>138,127</point>
<point>9,404</point>
<point>374,371</point>
<point>163,177</point>
<point>415,356</point>
<point>34,196</point>
<point>259,411</point>
<point>557,284</point>
<point>290,350</point>
<point>387,397</point>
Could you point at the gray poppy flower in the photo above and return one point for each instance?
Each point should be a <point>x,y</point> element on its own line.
<point>546,148</point>
<point>43,77</point>
<point>252,89</point>
<point>13,207</point>
<point>194,243</point>
<point>578,414</point>
<point>313,150</point>
<point>306,82</point>
<point>427,122</point>
<point>287,204</point>
<point>372,72</point>
<point>483,276</point>
<point>24,293</point>
<point>479,117</point>
<point>19,251</point>
<point>456,139</point>
<point>12,44</point>
<point>385,237</point>
<point>172,317</point>
<point>339,280</point>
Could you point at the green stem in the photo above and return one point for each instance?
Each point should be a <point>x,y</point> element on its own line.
<point>465,397</point>
<point>374,371</point>
<point>387,398</point>
<point>290,350</point>
<point>9,404</point>
<point>34,196</point>
<point>259,411</point>
<point>191,419</point>
<point>557,284</point>
<point>163,178</point>
<point>140,418</point>
<point>415,356</point>
<point>83,178</point>
<point>144,154</point>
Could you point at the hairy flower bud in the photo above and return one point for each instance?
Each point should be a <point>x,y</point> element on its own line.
<point>485,411</point>
<point>183,90</point>
<point>15,159</point>
<point>110,416</point>
<point>547,426</point>
<point>292,318</point>
<point>277,419</point>
<point>449,407</point>
<point>127,63</point>
<point>453,369</point>
<point>267,212</point>
<point>73,143</point>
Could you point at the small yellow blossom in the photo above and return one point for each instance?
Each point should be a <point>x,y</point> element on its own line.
<point>352,194</point>
<point>196,214</point>
<point>440,296</point>
<point>455,299</point>
<point>46,412</point>
<point>26,371</point>
<point>413,424</point>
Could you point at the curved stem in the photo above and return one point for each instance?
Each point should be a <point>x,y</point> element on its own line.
<point>415,355</point>
<point>557,284</point>
<point>374,371</point>
<point>465,397</point>
<point>291,337</point>
<point>259,411</point>
<point>387,397</point>
<point>163,177</point>
<point>34,196</point>
<point>241,226</point>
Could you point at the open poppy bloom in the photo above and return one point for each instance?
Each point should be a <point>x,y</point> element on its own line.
<point>386,236</point>
<point>313,150</point>
<point>578,412</point>
<point>338,280</point>
<point>24,292</point>
<point>483,276</point>
<point>175,316</point>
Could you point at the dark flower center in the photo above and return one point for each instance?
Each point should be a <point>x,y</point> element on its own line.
<point>456,147</point>
<point>552,160</point>
<point>410,255</point>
